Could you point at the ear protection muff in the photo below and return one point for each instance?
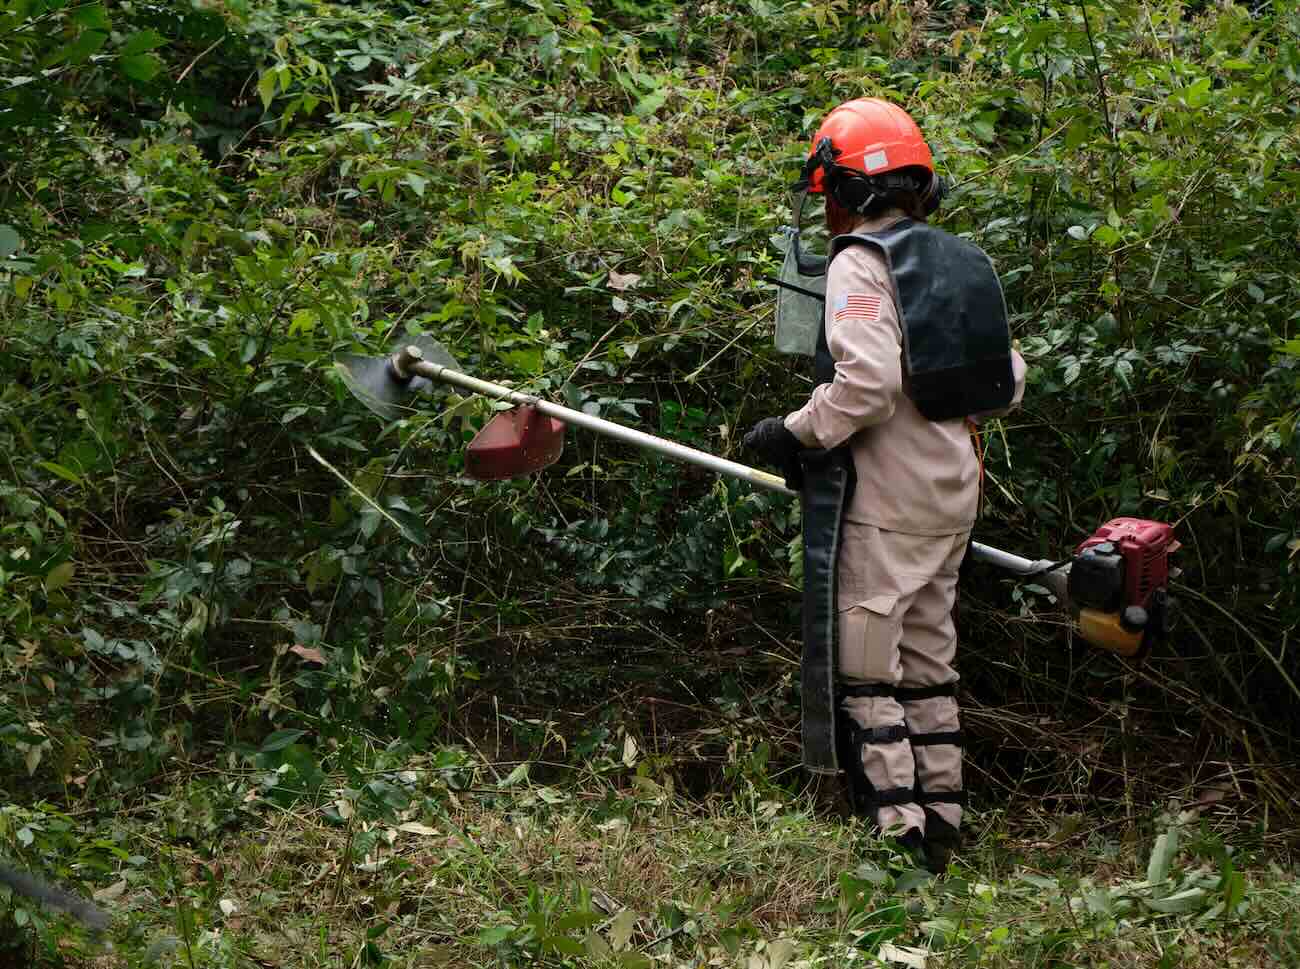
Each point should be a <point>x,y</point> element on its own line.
<point>851,191</point>
<point>855,192</point>
<point>934,194</point>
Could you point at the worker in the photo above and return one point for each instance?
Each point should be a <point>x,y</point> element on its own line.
<point>914,346</point>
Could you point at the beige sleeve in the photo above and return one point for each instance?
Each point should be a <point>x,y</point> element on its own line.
<point>1018,369</point>
<point>866,347</point>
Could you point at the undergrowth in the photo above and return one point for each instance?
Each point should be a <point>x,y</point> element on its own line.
<point>445,860</point>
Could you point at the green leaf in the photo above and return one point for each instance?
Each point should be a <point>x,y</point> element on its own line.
<point>528,361</point>
<point>139,43</point>
<point>910,881</point>
<point>10,241</point>
<point>92,16</point>
<point>577,920</point>
<point>516,776</point>
<point>1162,856</point>
<point>547,48</point>
<point>1198,95</point>
<point>1183,902</point>
<point>496,935</point>
<point>415,182</point>
<point>141,67</point>
<point>1106,235</point>
<point>410,524</point>
<point>67,474</point>
<point>304,321</point>
<point>1233,887</point>
<point>570,947</point>
<point>734,561</point>
<point>80,50</point>
<point>59,576</point>
<point>281,739</point>
<point>620,932</point>
<point>266,88</point>
<point>1077,134</point>
<point>651,103</point>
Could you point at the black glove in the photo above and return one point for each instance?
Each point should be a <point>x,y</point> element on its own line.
<point>778,447</point>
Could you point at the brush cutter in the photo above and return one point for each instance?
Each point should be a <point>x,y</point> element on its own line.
<point>1114,585</point>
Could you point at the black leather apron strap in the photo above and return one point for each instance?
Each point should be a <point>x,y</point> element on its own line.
<point>828,480</point>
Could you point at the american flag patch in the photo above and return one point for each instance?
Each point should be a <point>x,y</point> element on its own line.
<point>857,306</point>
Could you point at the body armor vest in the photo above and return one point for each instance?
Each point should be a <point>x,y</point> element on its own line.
<point>956,340</point>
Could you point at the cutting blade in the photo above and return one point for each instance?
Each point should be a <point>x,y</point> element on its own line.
<point>374,382</point>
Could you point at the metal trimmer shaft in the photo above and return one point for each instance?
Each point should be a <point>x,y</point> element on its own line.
<point>410,362</point>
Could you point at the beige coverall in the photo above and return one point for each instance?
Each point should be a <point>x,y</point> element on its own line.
<point>905,531</point>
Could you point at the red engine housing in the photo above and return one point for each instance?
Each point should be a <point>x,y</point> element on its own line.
<point>1146,546</point>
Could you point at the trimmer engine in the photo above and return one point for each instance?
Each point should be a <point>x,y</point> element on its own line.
<point>1117,584</point>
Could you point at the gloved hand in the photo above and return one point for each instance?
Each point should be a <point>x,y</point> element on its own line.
<point>777,446</point>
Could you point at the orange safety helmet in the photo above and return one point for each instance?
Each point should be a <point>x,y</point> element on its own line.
<point>863,139</point>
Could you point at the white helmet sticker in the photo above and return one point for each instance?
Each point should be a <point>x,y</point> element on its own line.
<point>875,161</point>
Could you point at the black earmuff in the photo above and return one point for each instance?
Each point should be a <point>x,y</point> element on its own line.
<point>855,192</point>
<point>934,194</point>
<point>851,191</point>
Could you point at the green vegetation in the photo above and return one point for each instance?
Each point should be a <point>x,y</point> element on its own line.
<point>225,677</point>
<point>476,870</point>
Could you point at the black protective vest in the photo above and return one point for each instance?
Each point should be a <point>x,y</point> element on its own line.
<point>956,340</point>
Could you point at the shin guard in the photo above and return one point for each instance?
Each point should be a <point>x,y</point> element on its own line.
<point>935,734</point>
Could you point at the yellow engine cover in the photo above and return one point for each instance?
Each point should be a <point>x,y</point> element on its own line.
<point>1105,631</point>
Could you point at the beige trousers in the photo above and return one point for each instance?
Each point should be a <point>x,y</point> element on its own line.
<point>896,594</point>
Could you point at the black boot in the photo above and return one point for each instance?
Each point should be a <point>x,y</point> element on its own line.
<point>941,842</point>
<point>911,843</point>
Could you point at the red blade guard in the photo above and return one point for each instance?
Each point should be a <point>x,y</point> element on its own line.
<point>514,443</point>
